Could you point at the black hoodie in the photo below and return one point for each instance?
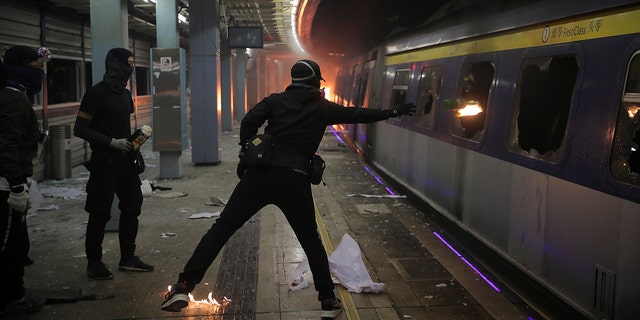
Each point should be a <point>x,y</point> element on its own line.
<point>298,117</point>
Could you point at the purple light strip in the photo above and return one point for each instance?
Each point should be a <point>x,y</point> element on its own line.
<point>467,262</point>
<point>380,181</point>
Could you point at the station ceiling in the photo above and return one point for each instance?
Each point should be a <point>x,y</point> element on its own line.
<point>326,27</point>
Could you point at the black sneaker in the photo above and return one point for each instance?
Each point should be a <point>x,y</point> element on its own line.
<point>134,264</point>
<point>331,308</point>
<point>177,298</point>
<point>98,270</point>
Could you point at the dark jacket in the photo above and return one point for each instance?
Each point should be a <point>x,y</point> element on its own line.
<point>19,134</point>
<point>298,117</point>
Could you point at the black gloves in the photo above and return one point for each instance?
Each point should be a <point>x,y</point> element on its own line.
<point>405,108</point>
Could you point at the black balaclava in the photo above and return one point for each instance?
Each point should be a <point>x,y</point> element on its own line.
<point>117,69</point>
<point>18,72</point>
<point>306,72</point>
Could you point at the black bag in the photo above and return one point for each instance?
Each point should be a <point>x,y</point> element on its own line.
<point>316,170</point>
<point>258,150</point>
<point>138,162</point>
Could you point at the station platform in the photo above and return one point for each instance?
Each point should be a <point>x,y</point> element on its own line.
<point>424,276</point>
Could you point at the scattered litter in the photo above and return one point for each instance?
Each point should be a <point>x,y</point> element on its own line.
<point>428,297</point>
<point>62,192</point>
<point>84,255</point>
<point>347,267</point>
<point>146,189</point>
<point>441,285</point>
<point>155,186</point>
<point>393,196</point>
<point>184,211</point>
<point>216,202</point>
<point>407,316</point>
<point>205,215</point>
<point>167,234</point>
<point>49,208</point>
<point>171,195</point>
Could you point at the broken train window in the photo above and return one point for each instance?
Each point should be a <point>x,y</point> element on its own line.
<point>474,87</point>
<point>542,105</point>
<point>625,156</point>
<point>400,86</point>
<point>428,92</point>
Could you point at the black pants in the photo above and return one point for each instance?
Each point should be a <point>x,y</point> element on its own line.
<point>109,176</point>
<point>14,247</point>
<point>288,190</point>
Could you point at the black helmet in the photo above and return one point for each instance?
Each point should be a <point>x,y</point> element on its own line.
<point>304,70</point>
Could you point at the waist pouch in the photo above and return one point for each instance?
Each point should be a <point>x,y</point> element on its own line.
<point>316,170</point>
<point>258,150</point>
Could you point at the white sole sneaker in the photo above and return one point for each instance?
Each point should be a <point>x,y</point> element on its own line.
<point>176,303</point>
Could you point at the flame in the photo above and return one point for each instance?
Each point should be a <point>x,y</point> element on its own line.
<point>210,301</point>
<point>471,109</point>
<point>632,110</point>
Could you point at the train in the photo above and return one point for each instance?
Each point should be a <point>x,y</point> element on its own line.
<point>545,173</point>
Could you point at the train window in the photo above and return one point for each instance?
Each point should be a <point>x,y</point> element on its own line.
<point>400,86</point>
<point>543,101</point>
<point>474,86</point>
<point>625,156</point>
<point>428,92</point>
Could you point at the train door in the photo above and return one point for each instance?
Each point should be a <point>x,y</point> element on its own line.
<point>625,157</point>
<point>428,94</point>
<point>362,101</point>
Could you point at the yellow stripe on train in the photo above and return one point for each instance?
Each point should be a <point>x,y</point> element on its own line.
<point>563,31</point>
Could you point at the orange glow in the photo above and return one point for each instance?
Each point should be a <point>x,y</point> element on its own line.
<point>209,301</point>
<point>471,109</point>
<point>632,110</point>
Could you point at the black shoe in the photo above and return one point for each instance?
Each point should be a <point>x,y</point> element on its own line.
<point>21,306</point>
<point>98,270</point>
<point>177,298</point>
<point>331,308</point>
<point>134,264</point>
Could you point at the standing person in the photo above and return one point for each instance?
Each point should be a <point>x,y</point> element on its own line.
<point>23,72</point>
<point>297,119</point>
<point>104,121</point>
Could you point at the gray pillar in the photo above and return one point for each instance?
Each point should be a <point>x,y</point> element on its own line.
<point>240,101</point>
<point>167,37</point>
<point>105,34</point>
<point>109,29</point>
<point>252,83</point>
<point>204,38</point>
<point>225,85</point>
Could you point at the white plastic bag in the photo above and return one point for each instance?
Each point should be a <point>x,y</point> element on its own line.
<point>347,267</point>
<point>146,189</point>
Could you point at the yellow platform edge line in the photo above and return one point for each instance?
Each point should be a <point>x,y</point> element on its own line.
<point>347,302</point>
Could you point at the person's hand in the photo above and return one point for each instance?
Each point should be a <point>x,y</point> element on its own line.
<point>19,198</point>
<point>121,144</point>
<point>242,168</point>
<point>405,108</point>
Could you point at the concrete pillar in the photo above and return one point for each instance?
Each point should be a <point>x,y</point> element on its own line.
<point>109,29</point>
<point>167,37</point>
<point>225,85</point>
<point>240,101</point>
<point>204,39</point>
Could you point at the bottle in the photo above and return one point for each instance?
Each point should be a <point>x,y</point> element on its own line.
<point>140,136</point>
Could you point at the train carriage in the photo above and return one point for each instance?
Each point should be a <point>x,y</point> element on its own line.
<point>545,172</point>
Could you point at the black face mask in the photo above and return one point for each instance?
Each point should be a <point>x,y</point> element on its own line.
<point>25,78</point>
<point>117,73</point>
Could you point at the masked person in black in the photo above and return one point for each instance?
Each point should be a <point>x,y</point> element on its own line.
<point>104,121</point>
<point>297,119</point>
<point>23,72</point>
